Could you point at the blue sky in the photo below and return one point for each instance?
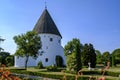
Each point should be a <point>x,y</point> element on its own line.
<point>92,21</point>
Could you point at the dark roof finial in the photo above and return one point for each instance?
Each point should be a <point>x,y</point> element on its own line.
<point>45,4</point>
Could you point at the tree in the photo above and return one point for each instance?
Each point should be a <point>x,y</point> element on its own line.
<point>78,57</point>
<point>93,56</point>
<point>106,57</point>
<point>0,60</point>
<point>27,45</point>
<point>70,62</point>
<point>40,65</point>
<point>116,54</point>
<point>89,55</point>
<point>1,40</point>
<point>113,60</point>
<point>73,52</point>
<point>86,55</point>
<point>4,55</point>
<point>98,57</point>
<point>9,60</point>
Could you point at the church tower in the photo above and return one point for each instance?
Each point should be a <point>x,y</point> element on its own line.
<point>51,42</point>
<point>50,38</point>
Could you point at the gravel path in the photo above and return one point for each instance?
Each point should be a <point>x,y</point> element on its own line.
<point>32,77</point>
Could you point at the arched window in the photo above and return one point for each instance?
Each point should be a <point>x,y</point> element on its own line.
<point>46,59</point>
<point>51,39</point>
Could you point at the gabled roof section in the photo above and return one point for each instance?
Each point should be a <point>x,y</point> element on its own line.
<point>45,24</point>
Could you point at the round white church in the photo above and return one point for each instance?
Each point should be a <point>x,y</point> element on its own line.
<point>51,43</point>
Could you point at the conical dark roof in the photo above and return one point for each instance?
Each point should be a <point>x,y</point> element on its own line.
<point>45,24</point>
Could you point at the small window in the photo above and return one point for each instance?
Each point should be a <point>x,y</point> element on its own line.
<point>51,39</point>
<point>46,59</point>
<point>58,41</point>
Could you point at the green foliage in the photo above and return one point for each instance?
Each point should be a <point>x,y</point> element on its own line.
<point>6,58</point>
<point>9,60</point>
<point>0,60</point>
<point>113,60</point>
<point>1,40</point>
<point>4,55</point>
<point>40,65</point>
<point>59,61</point>
<point>71,62</point>
<point>106,57</point>
<point>89,55</point>
<point>51,68</point>
<point>96,72</point>
<point>1,49</point>
<point>70,47</point>
<point>116,54</point>
<point>92,56</point>
<point>85,55</point>
<point>69,77</point>
<point>73,53</point>
<point>78,57</point>
<point>27,45</point>
<point>98,57</point>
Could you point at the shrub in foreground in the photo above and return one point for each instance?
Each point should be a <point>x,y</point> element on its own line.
<point>40,65</point>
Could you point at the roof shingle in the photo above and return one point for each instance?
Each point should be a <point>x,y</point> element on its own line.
<point>45,24</point>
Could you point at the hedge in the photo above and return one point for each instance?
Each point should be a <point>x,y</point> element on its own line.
<point>68,77</point>
<point>55,76</point>
<point>107,73</point>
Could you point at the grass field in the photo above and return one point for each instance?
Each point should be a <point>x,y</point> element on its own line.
<point>112,69</point>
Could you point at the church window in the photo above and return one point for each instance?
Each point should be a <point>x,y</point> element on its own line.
<point>58,41</point>
<point>51,39</point>
<point>46,59</point>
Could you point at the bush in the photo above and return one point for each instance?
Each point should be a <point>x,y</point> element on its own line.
<point>9,60</point>
<point>60,76</point>
<point>40,65</point>
<point>51,68</point>
<point>54,76</point>
<point>115,74</point>
<point>108,73</point>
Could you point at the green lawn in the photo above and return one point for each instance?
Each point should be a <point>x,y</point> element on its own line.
<point>114,69</point>
<point>44,71</point>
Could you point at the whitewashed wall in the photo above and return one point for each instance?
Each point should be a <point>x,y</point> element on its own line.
<point>50,49</point>
<point>20,62</point>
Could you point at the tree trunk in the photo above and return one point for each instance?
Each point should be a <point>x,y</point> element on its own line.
<point>26,61</point>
